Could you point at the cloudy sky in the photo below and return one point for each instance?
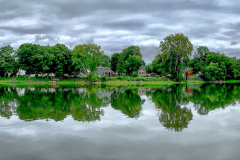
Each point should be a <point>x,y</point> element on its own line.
<point>116,24</point>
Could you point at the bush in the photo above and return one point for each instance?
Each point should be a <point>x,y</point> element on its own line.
<point>103,78</point>
<point>119,78</point>
<point>134,74</point>
<point>138,79</point>
<point>91,77</point>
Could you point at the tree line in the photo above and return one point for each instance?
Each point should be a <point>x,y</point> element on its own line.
<point>175,55</point>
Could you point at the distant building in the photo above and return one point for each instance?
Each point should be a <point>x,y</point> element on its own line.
<point>141,91</point>
<point>187,71</point>
<point>141,72</point>
<point>104,71</point>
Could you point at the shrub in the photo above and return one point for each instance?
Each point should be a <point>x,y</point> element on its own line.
<point>138,79</point>
<point>103,78</point>
<point>92,77</point>
<point>119,78</point>
<point>134,74</point>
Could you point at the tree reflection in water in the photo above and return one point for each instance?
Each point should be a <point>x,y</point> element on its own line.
<point>86,104</point>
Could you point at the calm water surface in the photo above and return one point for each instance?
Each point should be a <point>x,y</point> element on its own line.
<point>176,122</point>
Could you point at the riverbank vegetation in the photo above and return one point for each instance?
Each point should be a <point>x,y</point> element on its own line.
<point>175,56</point>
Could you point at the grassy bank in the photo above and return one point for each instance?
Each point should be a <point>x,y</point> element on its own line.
<point>124,80</point>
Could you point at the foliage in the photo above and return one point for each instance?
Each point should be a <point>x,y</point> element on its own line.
<point>134,74</point>
<point>91,77</point>
<point>114,61</point>
<point>121,65</point>
<point>201,53</point>
<point>174,48</point>
<point>215,72</point>
<point>27,58</point>
<point>103,78</point>
<point>62,59</point>
<point>86,56</point>
<point>131,50</point>
<point>8,63</point>
<point>133,63</point>
<point>105,60</point>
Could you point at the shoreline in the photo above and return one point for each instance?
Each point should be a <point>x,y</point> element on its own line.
<point>112,83</point>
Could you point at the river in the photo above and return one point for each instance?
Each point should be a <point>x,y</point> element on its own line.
<point>169,122</point>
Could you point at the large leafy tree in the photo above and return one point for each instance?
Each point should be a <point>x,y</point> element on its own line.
<point>62,59</point>
<point>121,65</point>
<point>8,63</point>
<point>87,56</point>
<point>105,60</point>
<point>131,50</point>
<point>201,53</point>
<point>46,58</point>
<point>27,58</point>
<point>215,71</point>
<point>221,59</point>
<point>176,47</point>
<point>133,63</point>
<point>198,63</point>
<point>114,61</point>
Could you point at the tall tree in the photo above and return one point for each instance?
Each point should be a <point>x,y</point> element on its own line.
<point>131,50</point>
<point>105,60</point>
<point>8,63</point>
<point>46,58</point>
<point>133,63</point>
<point>62,60</point>
<point>176,46</point>
<point>121,65</point>
<point>87,56</point>
<point>201,53</point>
<point>27,59</point>
<point>114,61</point>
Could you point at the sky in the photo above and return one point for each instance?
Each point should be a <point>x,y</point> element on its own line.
<point>117,24</point>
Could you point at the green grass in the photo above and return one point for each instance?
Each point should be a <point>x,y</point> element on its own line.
<point>114,81</point>
<point>194,76</point>
<point>232,81</point>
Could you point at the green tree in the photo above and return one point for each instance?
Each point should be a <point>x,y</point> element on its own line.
<point>114,61</point>
<point>176,47</point>
<point>62,60</point>
<point>105,60</point>
<point>87,56</point>
<point>46,58</point>
<point>27,58</point>
<point>8,61</point>
<point>224,62</point>
<point>121,65</point>
<point>131,50</point>
<point>201,53</point>
<point>133,63</point>
<point>215,72</point>
<point>197,65</point>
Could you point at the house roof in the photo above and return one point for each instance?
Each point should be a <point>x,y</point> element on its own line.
<point>141,69</point>
<point>102,70</point>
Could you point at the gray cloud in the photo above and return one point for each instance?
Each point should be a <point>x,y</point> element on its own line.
<point>233,43</point>
<point>117,24</point>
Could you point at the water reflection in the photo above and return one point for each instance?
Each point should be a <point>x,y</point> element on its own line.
<point>127,101</point>
<point>87,103</point>
<point>171,100</point>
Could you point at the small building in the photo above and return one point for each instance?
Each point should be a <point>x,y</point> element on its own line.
<point>187,72</point>
<point>153,74</point>
<point>104,71</point>
<point>141,72</point>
